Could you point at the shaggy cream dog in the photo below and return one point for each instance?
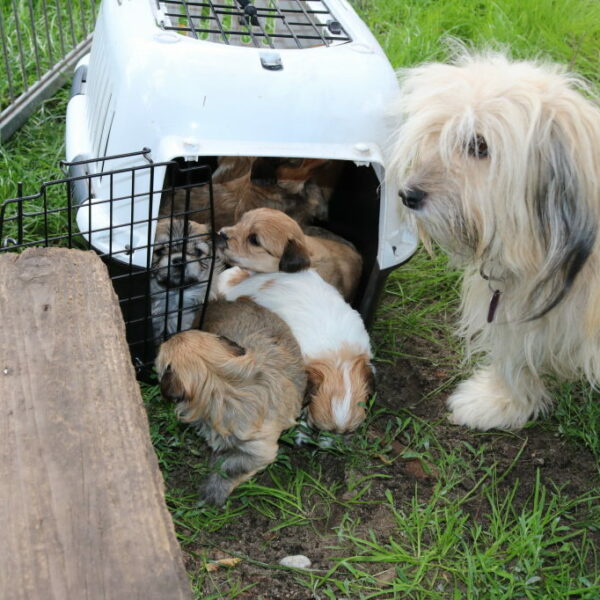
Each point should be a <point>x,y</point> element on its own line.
<point>499,162</point>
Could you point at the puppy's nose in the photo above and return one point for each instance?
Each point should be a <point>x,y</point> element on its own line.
<point>412,198</point>
<point>221,239</point>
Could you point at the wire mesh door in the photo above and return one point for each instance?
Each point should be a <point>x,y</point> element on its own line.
<point>41,40</point>
<point>166,294</point>
<point>293,24</point>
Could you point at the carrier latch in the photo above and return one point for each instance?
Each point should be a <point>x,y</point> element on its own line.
<point>250,12</point>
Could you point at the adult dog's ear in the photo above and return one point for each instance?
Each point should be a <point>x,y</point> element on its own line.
<point>565,225</point>
<point>295,257</point>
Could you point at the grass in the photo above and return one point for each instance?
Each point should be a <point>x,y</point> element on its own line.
<point>412,31</point>
<point>436,550</point>
<point>408,507</point>
<point>32,156</point>
<point>477,531</point>
<point>37,35</point>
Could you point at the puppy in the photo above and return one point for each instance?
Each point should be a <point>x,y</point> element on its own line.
<point>297,194</point>
<point>325,173</point>
<point>332,337</point>
<point>267,240</point>
<point>181,269</point>
<point>231,167</point>
<point>241,382</point>
<point>499,162</point>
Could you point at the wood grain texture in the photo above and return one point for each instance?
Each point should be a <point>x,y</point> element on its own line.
<point>82,510</point>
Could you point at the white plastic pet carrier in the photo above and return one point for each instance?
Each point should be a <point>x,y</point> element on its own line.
<point>185,82</point>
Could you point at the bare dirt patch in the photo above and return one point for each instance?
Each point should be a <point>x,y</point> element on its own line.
<point>401,385</point>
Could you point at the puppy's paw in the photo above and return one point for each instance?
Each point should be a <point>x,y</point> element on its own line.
<point>213,292</point>
<point>301,438</point>
<point>229,278</point>
<point>485,402</point>
<point>214,491</point>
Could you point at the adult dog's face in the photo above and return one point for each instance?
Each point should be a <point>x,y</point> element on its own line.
<point>452,144</point>
<point>181,257</point>
<point>433,195</point>
<point>264,240</point>
<point>492,159</point>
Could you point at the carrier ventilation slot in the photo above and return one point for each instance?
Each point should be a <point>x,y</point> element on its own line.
<point>100,97</point>
<point>291,24</point>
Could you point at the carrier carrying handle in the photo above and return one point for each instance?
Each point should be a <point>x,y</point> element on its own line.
<point>250,11</point>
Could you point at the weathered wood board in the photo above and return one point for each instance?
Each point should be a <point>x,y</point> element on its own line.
<point>82,510</point>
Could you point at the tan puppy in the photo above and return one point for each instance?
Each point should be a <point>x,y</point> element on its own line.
<point>241,381</point>
<point>231,167</point>
<point>267,241</point>
<point>294,192</point>
<point>182,261</point>
<point>325,173</point>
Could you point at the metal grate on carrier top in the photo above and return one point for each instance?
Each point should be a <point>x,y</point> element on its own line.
<point>153,307</point>
<point>262,24</point>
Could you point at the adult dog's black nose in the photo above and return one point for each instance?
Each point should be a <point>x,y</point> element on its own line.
<point>221,239</point>
<point>412,198</point>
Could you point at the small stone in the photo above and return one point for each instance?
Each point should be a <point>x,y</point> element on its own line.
<point>297,561</point>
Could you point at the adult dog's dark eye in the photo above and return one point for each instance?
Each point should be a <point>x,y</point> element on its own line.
<point>253,239</point>
<point>198,251</point>
<point>478,147</point>
<point>160,250</point>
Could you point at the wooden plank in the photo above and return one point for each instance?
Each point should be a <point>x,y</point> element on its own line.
<point>82,510</point>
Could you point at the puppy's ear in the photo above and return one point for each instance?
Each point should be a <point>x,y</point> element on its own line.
<point>171,387</point>
<point>239,371</point>
<point>566,228</point>
<point>316,200</point>
<point>314,379</point>
<point>295,257</point>
<point>232,346</point>
<point>370,379</point>
<point>264,171</point>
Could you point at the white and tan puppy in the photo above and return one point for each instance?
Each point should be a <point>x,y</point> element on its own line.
<point>181,270</point>
<point>499,162</point>
<point>267,240</point>
<point>331,334</point>
<point>241,382</point>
